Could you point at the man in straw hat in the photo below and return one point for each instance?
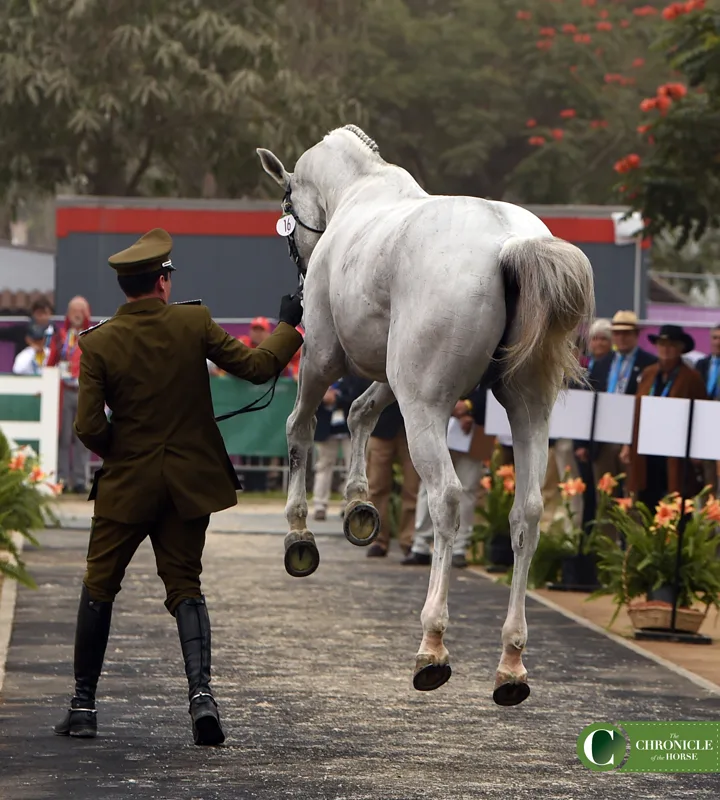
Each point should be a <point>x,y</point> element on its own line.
<point>165,466</point>
<point>617,373</point>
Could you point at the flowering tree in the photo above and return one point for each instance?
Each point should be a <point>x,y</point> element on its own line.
<point>674,178</point>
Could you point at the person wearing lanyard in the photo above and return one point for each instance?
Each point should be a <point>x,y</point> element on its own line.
<point>650,478</point>
<point>616,373</point>
<point>73,457</point>
<point>709,369</point>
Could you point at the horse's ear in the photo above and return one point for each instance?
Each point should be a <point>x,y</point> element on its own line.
<point>274,167</point>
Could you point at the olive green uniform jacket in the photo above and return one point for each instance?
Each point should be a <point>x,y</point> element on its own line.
<point>148,364</point>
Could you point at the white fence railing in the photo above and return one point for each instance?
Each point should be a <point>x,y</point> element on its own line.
<point>44,431</point>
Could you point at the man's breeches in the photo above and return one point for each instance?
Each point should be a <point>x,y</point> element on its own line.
<point>178,546</point>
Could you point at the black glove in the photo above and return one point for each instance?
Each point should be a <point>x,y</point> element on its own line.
<point>291,310</point>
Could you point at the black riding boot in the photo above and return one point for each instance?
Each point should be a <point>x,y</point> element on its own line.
<point>193,625</point>
<point>91,636</point>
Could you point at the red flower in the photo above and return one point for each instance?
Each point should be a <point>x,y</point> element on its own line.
<point>573,69</point>
<point>603,26</point>
<point>547,31</point>
<point>624,23</point>
<point>531,123</point>
<point>604,14</point>
<point>523,15</point>
<point>536,141</point>
<point>662,104</point>
<point>648,104</point>
<point>599,51</point>
<point>638,62</point>
<point>582,38</point>
<point>643,128</point>
<point>672,90</point>
<point>589,3</point>
<point>628,163</point>
<point>568,113</point>
<point>644,11</point>
<point>544,44</point>
<point>569,28</point>
<point>598,123</point>
<point>612,77</point>
<point>557,134</point>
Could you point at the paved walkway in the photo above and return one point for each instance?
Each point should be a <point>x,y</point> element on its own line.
<point>314,677</point>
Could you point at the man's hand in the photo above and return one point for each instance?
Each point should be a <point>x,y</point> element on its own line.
<point>330,397</point>
<point>466,423</point>
<point>460,409</point>
<point>625,454</point>
<point>291,310</point>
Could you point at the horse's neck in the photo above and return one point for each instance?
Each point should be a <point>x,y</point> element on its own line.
<point>368,183</point>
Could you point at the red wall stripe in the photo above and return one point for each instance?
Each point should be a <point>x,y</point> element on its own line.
<point>197,222</point>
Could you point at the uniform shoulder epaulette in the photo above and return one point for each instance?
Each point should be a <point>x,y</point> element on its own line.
<point>94,327</point>
<point>187,303</point>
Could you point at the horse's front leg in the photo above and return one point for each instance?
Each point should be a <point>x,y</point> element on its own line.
<point>301,554</point>
<point>361,521</point>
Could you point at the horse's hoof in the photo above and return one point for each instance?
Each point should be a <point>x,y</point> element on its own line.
<point>430,675</point>
<point>361,523</point>
<point>301,554</point>
<point>511,693</point>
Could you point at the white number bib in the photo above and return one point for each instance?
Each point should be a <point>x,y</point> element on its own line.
<point>285,225</point>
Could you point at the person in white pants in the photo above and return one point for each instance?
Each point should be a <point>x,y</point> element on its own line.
<point>331,436</point>
<point>468,463</point>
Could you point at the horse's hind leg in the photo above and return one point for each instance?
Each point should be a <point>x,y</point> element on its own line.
<point>426,427</point>
<point>529,422</point>
<point>301,553</point>
<point>361,523</point>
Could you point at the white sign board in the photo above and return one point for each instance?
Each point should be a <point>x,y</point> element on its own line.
<point>571,416</point>
<point>615,418</point>
<point>705,439</point>
<point>663,426</point>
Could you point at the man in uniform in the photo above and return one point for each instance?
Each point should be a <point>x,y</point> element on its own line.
<point>165,466</point>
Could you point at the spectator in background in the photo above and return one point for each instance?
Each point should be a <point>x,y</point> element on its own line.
<point>73,458</point>
<point>600,336</point>
<point>40,314</point>
<point>650,478</point>
<point>259,331</point>
<point>709,369</point>
<point>331,436</point>
<point>617,372</point>
<point>31,360</point>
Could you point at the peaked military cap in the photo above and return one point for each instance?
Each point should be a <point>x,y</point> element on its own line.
<point>150,253</point>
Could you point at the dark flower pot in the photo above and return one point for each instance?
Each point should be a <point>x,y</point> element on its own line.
<point>579,570</point>
<point>500,552</point>
<point>665,594</point>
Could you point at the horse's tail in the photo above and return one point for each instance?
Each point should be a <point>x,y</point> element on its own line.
<point>550,296</point>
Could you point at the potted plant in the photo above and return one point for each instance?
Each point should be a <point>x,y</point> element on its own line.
<point>494,529</point>
<point>641,577</point>
<point>25,492</point>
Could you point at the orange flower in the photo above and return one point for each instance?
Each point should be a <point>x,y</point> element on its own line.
<point>509,485</point>
<point>662,104</point>
<point>649,103</point>
<point>625,503</point>
<point>557,134</point>
<point>568,113</point>
<point>536,141</point>
<point>506,471</point>
<point>712,509</point>
<point>56,487</point>
<point>17,462</point>
<point>531,123</point>
<point>486,483</point>
<point>36,475</point>
<point>638,62</point>
<point>572,487</point>
<point>665,515</point>
<point>628,163</point>
<point>607,483</point>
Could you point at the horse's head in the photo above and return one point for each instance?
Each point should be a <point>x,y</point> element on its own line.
<point>302,199</point>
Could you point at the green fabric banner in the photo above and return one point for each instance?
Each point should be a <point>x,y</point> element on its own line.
<point>259,433</point>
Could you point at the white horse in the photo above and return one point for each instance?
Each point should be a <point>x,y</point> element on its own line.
<point>421,294</point>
